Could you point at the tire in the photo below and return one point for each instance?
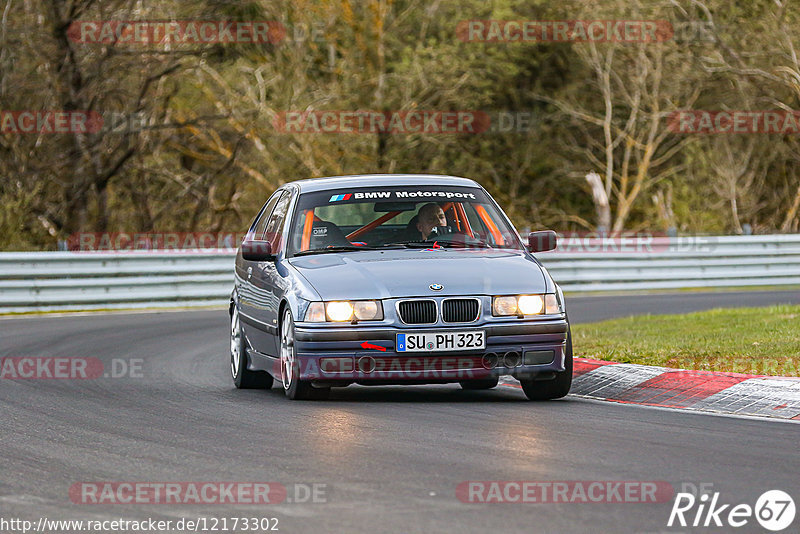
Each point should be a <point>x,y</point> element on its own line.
<point>555,388</point>
<point>243,377</point>
<point>295,388</point>
<point>484,383</point>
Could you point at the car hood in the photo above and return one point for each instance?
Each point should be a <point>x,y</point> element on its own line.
<point>409,273</point>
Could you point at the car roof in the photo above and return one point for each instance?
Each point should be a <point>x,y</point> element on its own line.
<point>377,180</point>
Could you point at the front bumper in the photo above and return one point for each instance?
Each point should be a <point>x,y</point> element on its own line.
<point>367,354</point>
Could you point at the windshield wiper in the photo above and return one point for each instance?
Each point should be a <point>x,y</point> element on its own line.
<point>443,244</point>
<point>333,248</point>
<point>462,244</point>
<point>407,244</point>
<point>398,244</point>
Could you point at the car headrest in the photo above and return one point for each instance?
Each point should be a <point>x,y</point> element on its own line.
<point>324,234</point>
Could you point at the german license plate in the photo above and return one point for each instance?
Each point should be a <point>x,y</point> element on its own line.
<point>440,341</point>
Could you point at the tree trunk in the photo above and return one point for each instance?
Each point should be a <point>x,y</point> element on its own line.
<point>600,200</point>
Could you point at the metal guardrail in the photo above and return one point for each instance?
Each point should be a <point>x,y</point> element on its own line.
<point>678,263</point>
<point>49,281</point>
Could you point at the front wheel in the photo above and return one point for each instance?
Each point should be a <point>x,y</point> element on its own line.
<point>244,378</point>
<point>557,387</point>
<point>295,388</point>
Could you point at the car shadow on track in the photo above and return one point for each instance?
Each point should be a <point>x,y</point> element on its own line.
<point>419,394</point>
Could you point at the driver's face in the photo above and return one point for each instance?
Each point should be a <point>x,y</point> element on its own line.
<point>436,219</point>
<point>441,220</point>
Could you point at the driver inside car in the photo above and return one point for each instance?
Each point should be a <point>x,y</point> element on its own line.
<point>429,218</point>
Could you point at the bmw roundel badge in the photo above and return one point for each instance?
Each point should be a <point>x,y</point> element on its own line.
<point>436,287</point>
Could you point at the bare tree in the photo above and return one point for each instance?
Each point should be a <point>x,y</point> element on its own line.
<point>623,131</point>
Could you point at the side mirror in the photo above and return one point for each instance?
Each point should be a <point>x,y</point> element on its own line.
<point>542,241</point>
<point>257,251</point>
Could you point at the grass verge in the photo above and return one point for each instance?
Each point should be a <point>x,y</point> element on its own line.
<point>763,341</point>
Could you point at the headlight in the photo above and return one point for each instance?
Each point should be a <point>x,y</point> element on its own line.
<point>504,306</point>
<point>339,311</point>
<point>315,312</point>
<point>368,310</point>
<point>530,304</point>
<point>344,310</point>
<point>525,305</point>
<point>551,304</point>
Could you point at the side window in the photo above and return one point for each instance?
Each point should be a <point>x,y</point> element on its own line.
<point>261,224</point>
<point>474,221</point>
<point>274,229</point>
<point>484,227</point>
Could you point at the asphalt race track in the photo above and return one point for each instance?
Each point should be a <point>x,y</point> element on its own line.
<point>390,458</point>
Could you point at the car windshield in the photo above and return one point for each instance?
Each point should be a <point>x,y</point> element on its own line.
<point>402,217</point>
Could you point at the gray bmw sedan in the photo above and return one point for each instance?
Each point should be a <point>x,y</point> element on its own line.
<point>394,279</point>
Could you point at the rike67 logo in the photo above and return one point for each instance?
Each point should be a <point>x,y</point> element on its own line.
<point>774,510</point>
